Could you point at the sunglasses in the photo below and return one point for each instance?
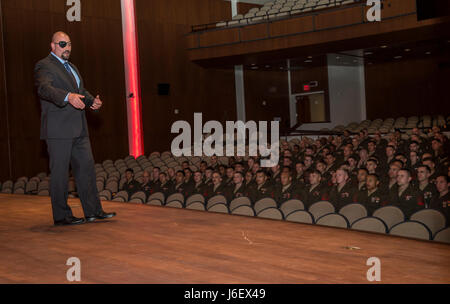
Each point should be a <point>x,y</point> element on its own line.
<point>63,44</point>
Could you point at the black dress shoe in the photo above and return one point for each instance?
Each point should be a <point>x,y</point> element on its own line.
<point>71,220</point>
<point>101,216</point>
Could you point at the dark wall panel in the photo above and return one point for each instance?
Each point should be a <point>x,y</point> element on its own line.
<point>408,88</point>
<point>97,52</point>
<point>162,26</point>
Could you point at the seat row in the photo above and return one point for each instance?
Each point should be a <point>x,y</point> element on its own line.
<point>425,224</point>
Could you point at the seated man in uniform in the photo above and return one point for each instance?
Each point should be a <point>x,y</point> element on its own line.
<point>131,185</point>
<point>427,189</point>
<point>263,187</point>
<point>371,196</point>
<point>198,186</point>
<point>407,197</point>
<point>442,201</point>
<point>146,183</point>
<point>286,190</point>
<point>343,193</point>
<point>164,186</point>
<point>315,191</point>
<point>238,188</point>
<point>180,185</point>
<point>216,187</point>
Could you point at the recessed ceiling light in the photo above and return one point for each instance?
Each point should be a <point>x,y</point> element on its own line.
<point>253,64</point>
<point>267,66</point>
<point>383,46</point>
<point>398,57</point>
<point>254,68</point>
<point>428,53</point>
<point>407,50</point>
<point>368,53</point>
<point>370,63</point>
<point>310,57</point>
<point>337,57</point>
<point>308,61</point>
<point>281,68</point>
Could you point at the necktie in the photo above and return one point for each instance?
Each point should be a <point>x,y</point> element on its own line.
<point>66,65</point>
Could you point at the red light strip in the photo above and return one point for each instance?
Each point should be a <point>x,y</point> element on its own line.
<point>130,49</point>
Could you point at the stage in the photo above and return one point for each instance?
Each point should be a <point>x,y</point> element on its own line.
<point>149,244</point>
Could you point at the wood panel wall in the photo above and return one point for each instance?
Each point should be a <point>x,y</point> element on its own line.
<point>408,88</point>
<point>97,52</point>
<point>162,26</point>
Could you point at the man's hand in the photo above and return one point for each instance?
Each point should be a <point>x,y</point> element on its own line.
<point>75,101</point>
<point>97,103</point>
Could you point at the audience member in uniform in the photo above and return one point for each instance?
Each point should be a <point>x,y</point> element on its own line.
<point>442,201</point>
<point>237,188</point>
<point>343,193</point>
<point>407,197</point>
<point>131,185</point>
<point>263,187</point>
<point>315,191</point>
<point>427,189</point>
<point>147,183</point>
<point>285,190</point>
<point>371,196</point>
<point>216,187</point>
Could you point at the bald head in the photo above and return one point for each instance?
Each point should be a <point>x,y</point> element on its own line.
<point>61,45</point>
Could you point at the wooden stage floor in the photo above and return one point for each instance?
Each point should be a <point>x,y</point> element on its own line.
<point>148,244</point>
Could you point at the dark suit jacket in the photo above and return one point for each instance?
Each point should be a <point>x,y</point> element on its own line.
<point>59,119</point>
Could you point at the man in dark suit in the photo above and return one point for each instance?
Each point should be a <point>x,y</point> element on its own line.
<point>64,127</point>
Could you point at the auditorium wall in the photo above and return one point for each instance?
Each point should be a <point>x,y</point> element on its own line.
<point>98,53</point>
<point>408,87</point>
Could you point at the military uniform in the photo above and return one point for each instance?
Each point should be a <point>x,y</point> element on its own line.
<point>345,196</point>
<point>429,193</point>
<point>131,187</point>
<point>313,195</point>
<point>235,192</point>
<point>442,203</point>
<point>261,191</point>
<point>372,201</point>
<point>211,191</point>
<point>164,188</point>
<point>282,193</point>
<point>409,201</point>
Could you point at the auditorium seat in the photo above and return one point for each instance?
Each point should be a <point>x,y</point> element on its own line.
<point>333,220</point>
<point>263,204</point>
<point>219,208</point>
<point>321,208</point>
<point>370,224</point>
<point>140,195</point>
<point>390,215</point>
<point>174,204</point>
<point>270,213</point>
<point>433,219</point>
<point>411,229</point>
<point>443,235</point>
<point>175,197</point>
<point>290,206</point>
<point>353,212</point>
<point>195,198</point>
<point>300,216</point>
<point>239,201</point>
<point>243,210</point>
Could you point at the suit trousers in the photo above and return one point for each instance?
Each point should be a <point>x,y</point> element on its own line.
<point>77,153</point>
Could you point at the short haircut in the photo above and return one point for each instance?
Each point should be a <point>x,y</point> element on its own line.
<point>261,171</point>
<point>446,177</point>
<point>209,168</point>
<point>363,169</point>
<point>240,173</point>
<point>182,172</point>
<point>429,159</point>
<point>426,168</point>
<point>406,170</point>
<point>374,175</point>
<point>156,168</point>
<point>315,172</point>
<point>390,146</point>
<point>129,170</point>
